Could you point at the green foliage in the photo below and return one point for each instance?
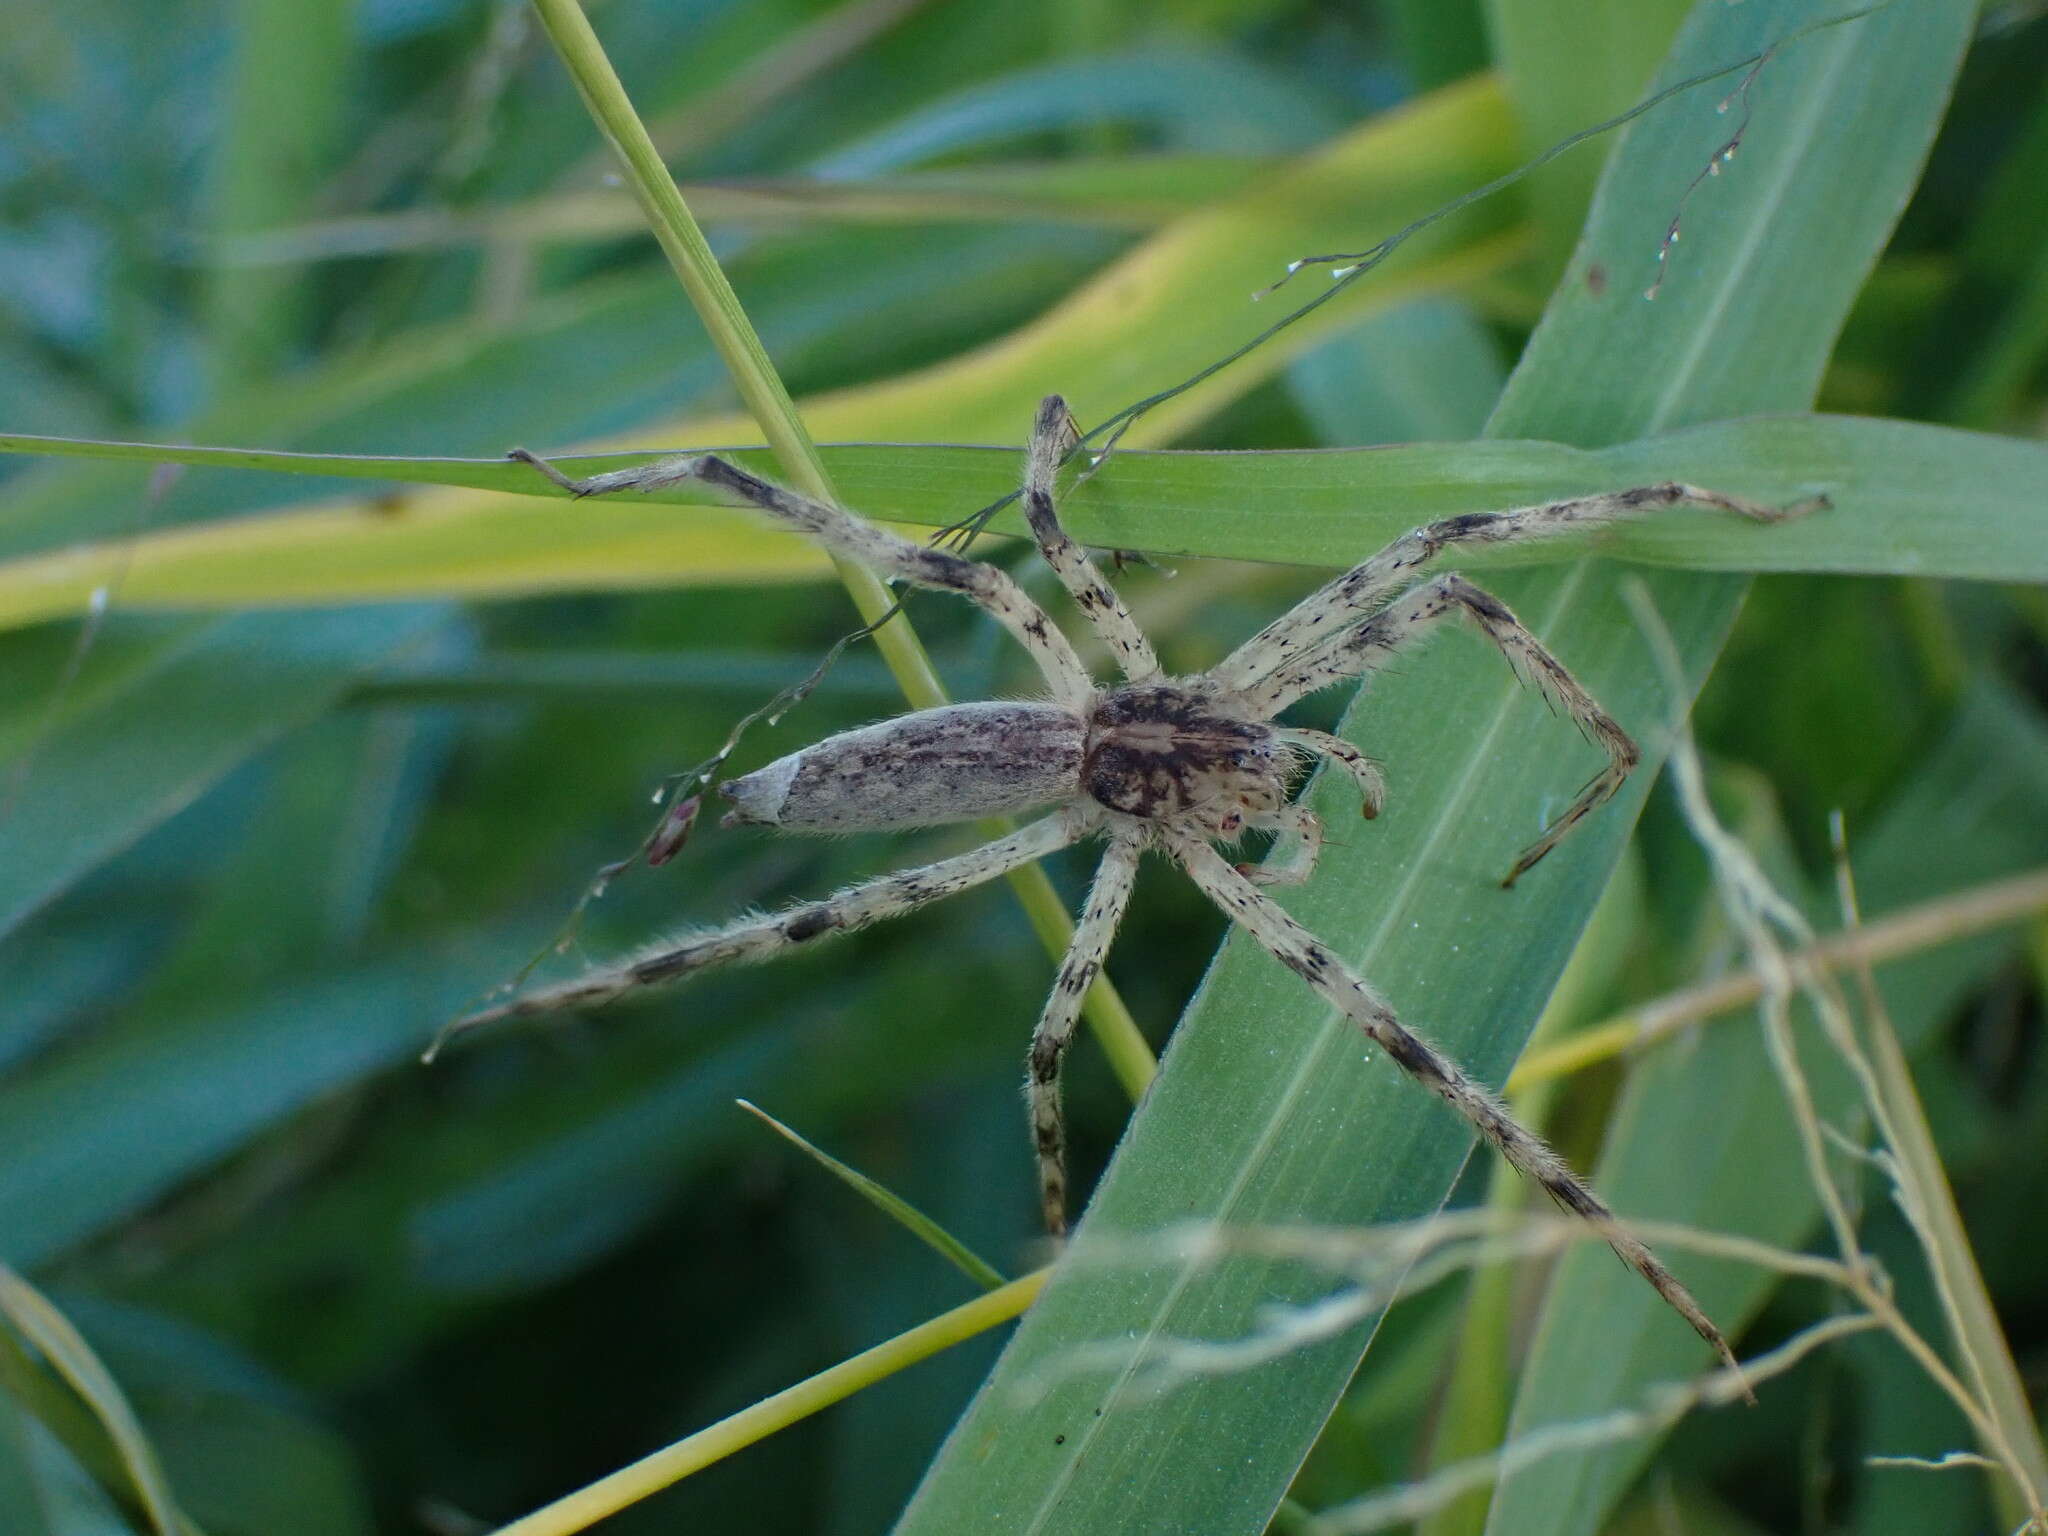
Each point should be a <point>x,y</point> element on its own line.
<point>262,828</point>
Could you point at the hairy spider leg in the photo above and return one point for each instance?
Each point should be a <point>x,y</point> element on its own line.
<point>764,938</point>
<point>860,541</point>
<point>1052,436</point>
<point>1300,861</point>
<point>1365,773</point>
<point>1107,898</point>
<point>1406,620</point>
<point>1300,631</point>
<point>1301,952</point>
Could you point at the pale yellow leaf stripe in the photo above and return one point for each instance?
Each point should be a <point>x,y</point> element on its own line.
<point>1168,308</point>
<point>1908,497</point>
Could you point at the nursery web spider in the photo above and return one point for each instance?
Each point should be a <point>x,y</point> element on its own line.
<point>1167,764</point>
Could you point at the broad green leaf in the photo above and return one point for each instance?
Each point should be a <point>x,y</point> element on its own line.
<point>22,1503</point>
<point>1908,499</point>
<point>1566,63</point>
<point>1479,1389</point>
<point>245,1451</point>
<point>149,724</point>
<point>160,1097</point>
<point>1266,1110</point>
<point>469,1237</point>
<point>285,100</point>
<point>43,1489</point>
<point>1426,372</point>
<point>1439,40</point>
<point>1205,100</point>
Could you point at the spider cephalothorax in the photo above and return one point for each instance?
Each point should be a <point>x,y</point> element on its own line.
<point>1179,753</point>
<point>1170,765</point>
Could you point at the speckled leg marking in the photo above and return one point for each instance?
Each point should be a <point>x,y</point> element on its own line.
<point>764,938</point>
<point>862,542</point>
<point>1302,953</point>
<point>1051,436</point>
<point>1107,899</point>
<point>1304,628</point>
<point>1406,620</point>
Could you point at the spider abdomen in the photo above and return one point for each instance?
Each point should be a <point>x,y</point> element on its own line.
<point>919,770</point>
<point>1164,752</point>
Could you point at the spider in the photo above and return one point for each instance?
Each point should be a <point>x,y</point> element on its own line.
<point>1168,764</point>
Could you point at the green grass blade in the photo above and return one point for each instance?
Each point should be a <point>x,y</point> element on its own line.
<point>1426,372</point>
<point>1909,499</point>
<point>890,1204</point>
<point>36,1320</point>
<point>1266,1110</point>
<point>1702,1135</point>
<point>1174,304</point>
<point>76,784</point>
<point>1566,63</point>
<point>1479,1389</point>
<point>24,1502</point>
<point>1771,277</point>
<point>1977,1334</point>
<point>732,333</point>
<point>1113,191</point>
<point>94,1135</point>
<point>1438,40</point>
<point>767,400</point>
<point>689,254</point>
<point>280,125</point>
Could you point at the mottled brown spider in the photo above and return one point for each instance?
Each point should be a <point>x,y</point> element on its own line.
<point>1154,762</point>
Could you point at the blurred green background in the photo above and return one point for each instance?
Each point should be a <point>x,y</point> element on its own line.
<point>257,855</point>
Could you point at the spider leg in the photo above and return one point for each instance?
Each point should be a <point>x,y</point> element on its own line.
<point>1300,863</point>
<point>1107,899</point>
<point>1404,621</point>
<point>854,538</point>
<point>1359,590</point>
<point>1052,435</point>
<point>1299,950</point>
<point>764,938</point>
<point>1372,788</point>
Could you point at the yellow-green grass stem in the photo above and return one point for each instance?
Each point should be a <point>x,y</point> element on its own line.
<point>2015,1444</point>
<point>608,1495</point>
<point>1994,905</point>
<point>761,389</point>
